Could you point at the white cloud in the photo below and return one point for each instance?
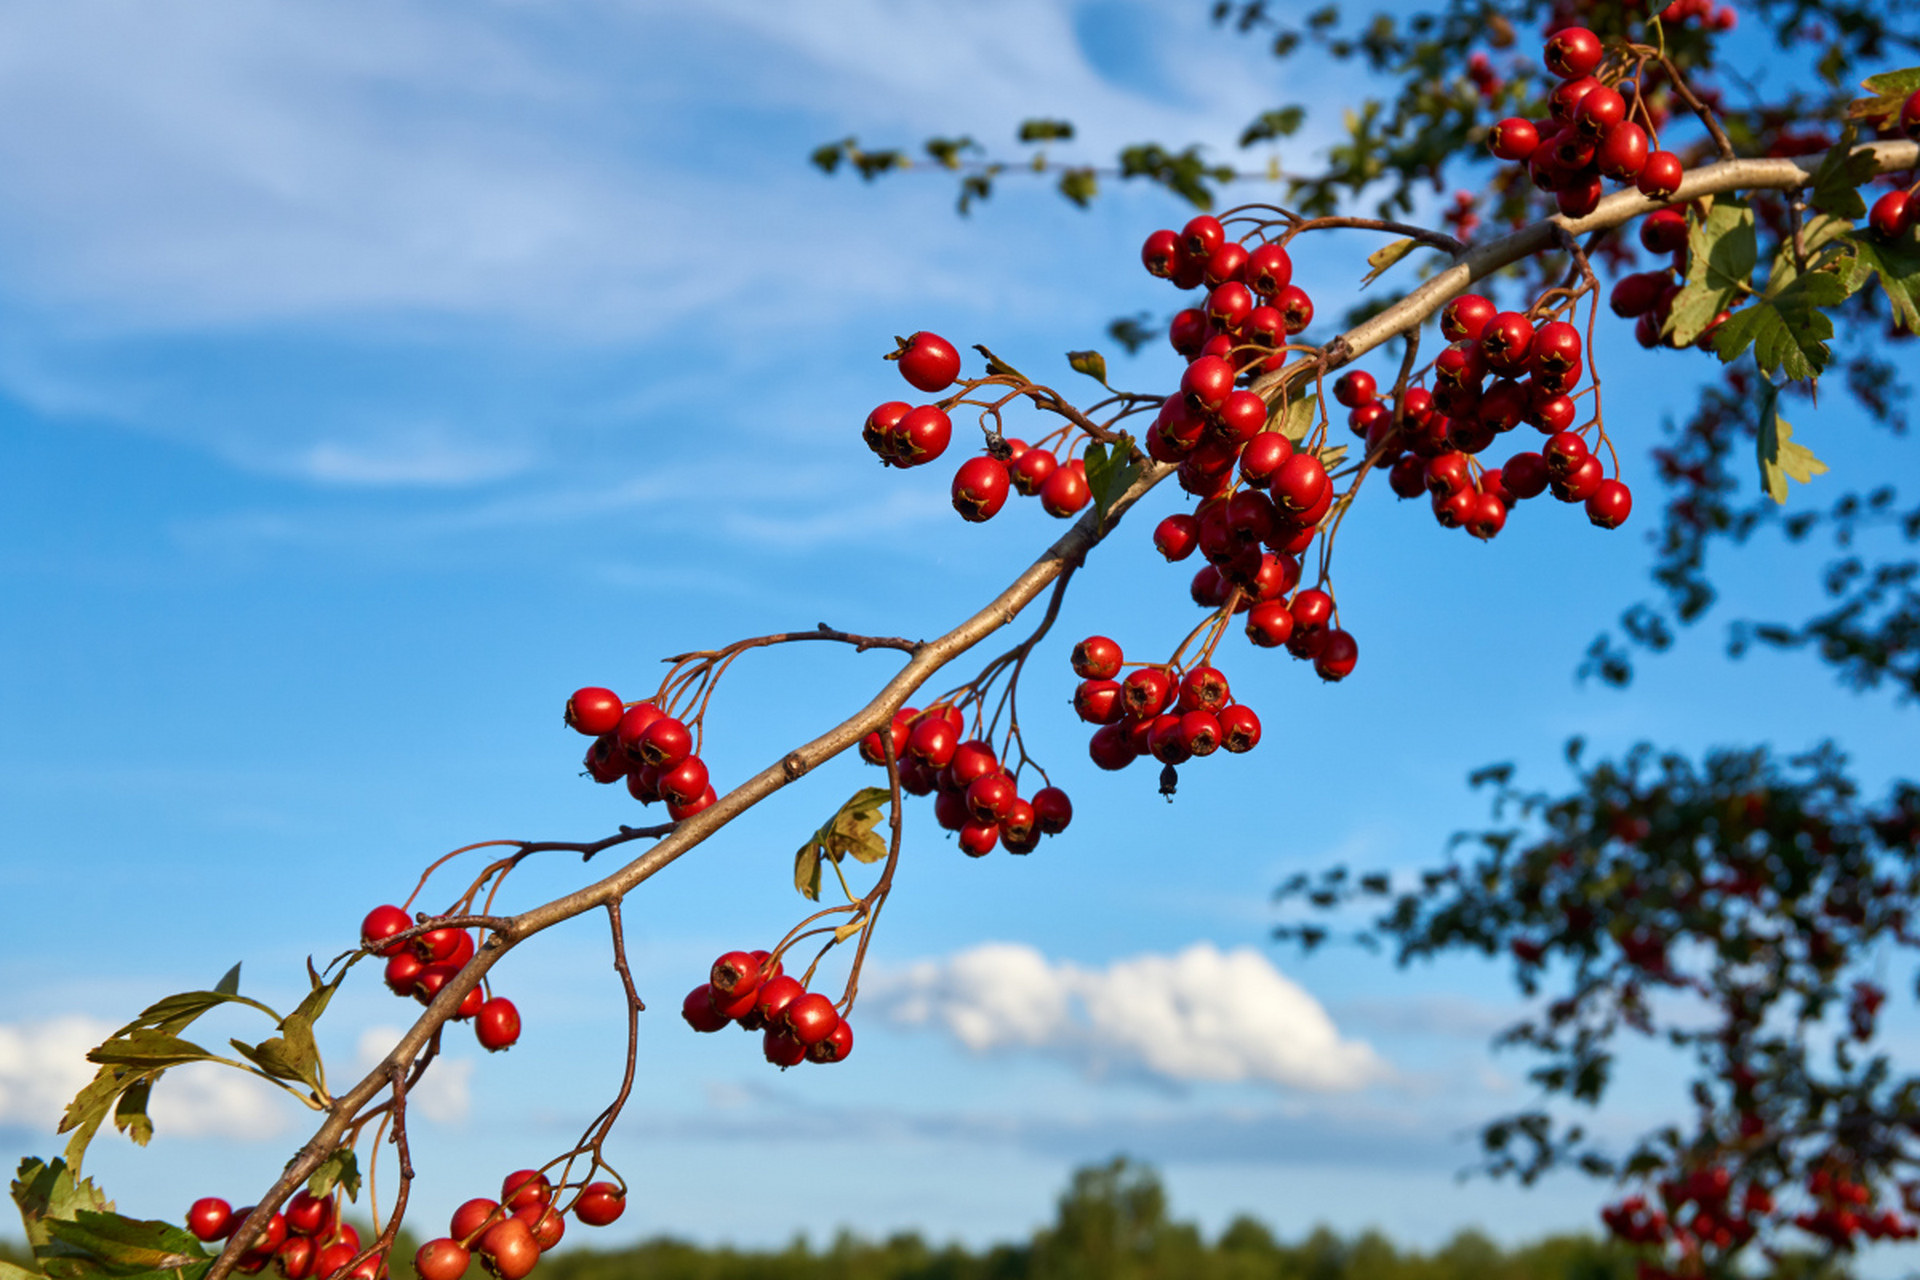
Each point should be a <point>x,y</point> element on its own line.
<point>43,1064</point>
<point>444,1095</point>
<point>1199,1015</point>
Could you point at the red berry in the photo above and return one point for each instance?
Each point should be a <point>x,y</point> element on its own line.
<point>680,812</point>
<point>989,797</point>
<point>811,1018</point>
<point>1910,115</point>
<point>1356,388</point>
<point>497,1025</point>
<point>700,1011</point>
<point>1147,691</point>
<point>1097,658</point>
<point>921,435</point>
<point>933,741</point>
<point>308,1214</point>
<point>978,838</point>
<point>211,1218</point>
<point>1573,52</point>
<point>980,488</point>
<point>1031,469</point>
<point>1312,609</point>
<point>1579,199</point>
<point>1506,341</point>
<point>1204,689</point>
<point>1465,317</point>
<point>403,973</point>
<point>1176,536</point>
<point>770,1006</point>
<point>593,711</point>
<point>1098,702</point>
<point>1228,305</point>
<point>508,1250</point>
<point>1263,457</point>
<point>1581,483</point>
<point>1188,332</point>
<point>1224,264</point>
<point>1600,109</point>
<point>1486,516</point>
<point>600,1204</point>
<point>1636,295</point>
<point>1448,474</point>
<point>1295,307</point>
<point>1239,729</point>
<point>1513,139</point>
<point>441,1260</point>
<point>735,973</point>
<point>1160,253</point>
<point>1564,453</point>
<point>1200,237</point>
<point>971,760</point>
<point>1065,491</point>
<point>525,1188</point>
<point>665,743</point>
<point>879,426</point>
<point>1019,828</point>
<point>683,784</point>
<point>1052,810</point>
<point>1564,100</point>
<point>1660,177</point>
<point>1163,740</point>
<point>1524,475</point>
<point>929,362</point>
<point>1268,270</point>
<point>1337,656</point>
<point>1300,483</point>
<point>1890,214</point>
<point>1408,478</point>
<point>381,923</point>
<point>1111,747</point>
<point>605,762</point>
<point>836,1047</point>
<point>1622,153</point>
<point>1610,504</point>
<point>545,1223</point>
<point>1207,383</point>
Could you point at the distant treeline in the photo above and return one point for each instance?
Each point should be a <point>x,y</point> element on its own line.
<point>1111,1224</point>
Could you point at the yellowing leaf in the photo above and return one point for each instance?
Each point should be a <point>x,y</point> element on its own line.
<point>1384,257</point>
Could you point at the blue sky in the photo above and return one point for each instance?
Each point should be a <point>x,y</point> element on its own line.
<point>372,375</point>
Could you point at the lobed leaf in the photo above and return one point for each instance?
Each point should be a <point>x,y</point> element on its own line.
<point>1722,253</point>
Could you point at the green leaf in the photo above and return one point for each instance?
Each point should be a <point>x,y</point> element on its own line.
<point>1046,131</point>
<point>1297,419</point>
<point>1384,257</point>
<point>1841,173</point>
<point>1110,473</point>
<point>230,984</point>
<point>1897,265</point>
<point>1788,333</point>
<point>1091,363</point>
<point>849,832</point>
<point>1721,258</point>
<point>9,1271</point>
<point>130,1113</point>
<point>1890,83</point>
<point>127,1243</point>
<point>148,1051</point>
<point>1780,458</point>
<point>1270,125</point>
<point>341,1169</point>
<point>45,1192</point>
<point>1890,90</point>
<point>1080,185</point>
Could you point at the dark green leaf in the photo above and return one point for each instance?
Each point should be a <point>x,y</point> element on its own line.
<point>341,1169</point>
<point>1270,125</point>
<point>230,984</point>
<point>45,1192</point>
<point>1837,181</point>
<point>947,151</point>
<point>148,1051</point>
<point>1110,473</point>
<point>1897,265</point>
<point>127,1243</point>
<point>130,1113</point>
<point>1720,264</point>
<point>1788,333</point>
<point>995,365</point>
<point>1080,186</point>
<point>1046,131</point>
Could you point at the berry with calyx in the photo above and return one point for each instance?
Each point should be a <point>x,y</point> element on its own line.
<point>1599,110</point>
<point>1268,270</point>
<point>1229,305</point>
<point>1891,214</point>
<point>1581,483</point>
<point>1573,52</point>
<point>1111,747</point>
<point>1486,516</point>
<point>921,435</point>
<point>1300,484</point>
<point>308,1214</point>
<point>811,1018</point>
<point>1263,457</point>
<point>604,761</point>
<point>684,784</point>
<point>1225,264</point>
<point>1097,658</point>
<point>1147,692</point>
<point>835,1048</point>
<point>929,362</point>
<point>600,1204</point>
<point>1466,317</point>
<point>1565,452</point>
<point>545,1223</point>
<point>1524,475</point>
<point>1066,491</point>
<point>878,429</point>
<point>1660,177</point>
<point>593,711</point>
<point>1295,307</point>
<point>1161,254</point>
<point>980,488</point>
<point>1204,689</point>
<point>1019,828</point>
<point>508,1250</point>
<point>977,838</point>
<point>1032,469</point>
<point>1622,153</point>
<point>473,1218</point>
<point>497,1025</point>
<point>1098,701</point>
<point>989,797</point>
<point>1206,384</point>
<point>1356,388</point>
<point>1176,536</point>
<point>770,1006</point>
<point>1239,729</point>
<point>1052,810</point>
<point>665,743</point>
<point>736,973</point>
<point>1664,231</point>
<point>681,812</point>
<point>1199,733</point>
<point>1513,139</point>
<point>1201,236</point>
<point>1610,504</point>
<point>403,973</point>
<point>933,741</point>
<point>634,722</point>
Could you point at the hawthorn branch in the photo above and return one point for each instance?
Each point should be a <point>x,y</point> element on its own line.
<point>929,657</point>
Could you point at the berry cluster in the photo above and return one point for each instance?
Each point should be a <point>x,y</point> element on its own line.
<point>306,1241</point>
<point>974,793</point>
<point>1843,1211</point>
<point>1157,711</point>
<point>905,435</point>
<point>1432,443</point>
<point>1720,17</point>
<point>509,1234</point>
<point>1588,135</point>
<point>652,750</point>
<point>419,966</point>
<point>752,988</point>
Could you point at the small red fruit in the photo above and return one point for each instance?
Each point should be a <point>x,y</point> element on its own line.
<point>1097,658</point>
<point>978,838</point>
<point>1201,236</point>
<point>929,362</point>
<point>441,1260</point>
<point>811,1018</point>
<point>700,1011</point>
<point>593,711</point>
<point>1610,504</point>
<point>524,1188</point>
<point>1052,810</point>
<point>1065,491</point>
<point>1660,177</point>
<point>1098,701</point>
<point>1268,270</point>
<point>1513,139</point>
<point>308,1214</point>
<point>1356,388</point>
<point>980,488</point>
<point>1295,307</point>
<point>1160,254</point>
<point>1031,470</point>
<point>1239,729</point>
<point>1465,318</point>
<point>1176,536</point>
<point>600,1204</point>
<point>508,1250</point>
<point>1890,215</point>
<point>211,1218</point>
<point>1147,690</point>
<point>382,923</point>
<point>472,1218</point>
<point>836,1047</point>
<point>497,1025</point>
<point>773,1000</point>
<point>1573,52</point>
<point>921,435</point>
<point>1337,656</point>
<point>545,1223</point>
